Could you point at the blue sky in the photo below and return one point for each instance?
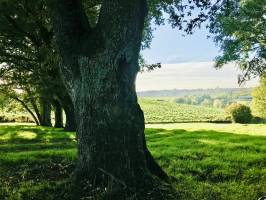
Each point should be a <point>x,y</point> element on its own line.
<point>187,63</point>
<point>169,46</point>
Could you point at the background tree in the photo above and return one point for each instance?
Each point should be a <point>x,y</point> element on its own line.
<point>217,103</point>
<point>3,101</point>
<point>239,113</point>
<point>30,59</point>
<point>11,93</point>
<point>15,86</point>
<point>259,98</point>
<point>240,31</point>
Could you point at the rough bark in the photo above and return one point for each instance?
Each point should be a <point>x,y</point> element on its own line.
<point>36,110</point>
<point>70,124</point>
<point>58,114</point>
<point>45,113</point>
<point>66,102</point>
<point>101,82</point>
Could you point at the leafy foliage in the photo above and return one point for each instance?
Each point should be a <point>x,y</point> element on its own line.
<point>259,98</point>
<point>239,113</point>
<point>28,57</point>
<point>240,29</point>
<point>12,110</point>
<point>4,101</point>
<point>185,15</point>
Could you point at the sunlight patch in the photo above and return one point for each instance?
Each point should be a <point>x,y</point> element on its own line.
<point>5,136</point>
<point>26,134</point>
<point>73,137</point>
<point>214,142</point>
<point>164,133</point>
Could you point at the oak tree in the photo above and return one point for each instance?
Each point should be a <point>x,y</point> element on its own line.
<point>99,65</point>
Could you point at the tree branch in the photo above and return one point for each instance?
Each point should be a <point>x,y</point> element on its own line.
<point>45,34</point>
<point>12,96</point>
<point>28,109</point>
<point>70,23</point>
<point>21,30</point>
<point>122,22</point>
<point>34,105</point>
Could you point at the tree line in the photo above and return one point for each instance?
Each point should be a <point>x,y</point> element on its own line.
<point>29,70</point>
<point>217,101</point>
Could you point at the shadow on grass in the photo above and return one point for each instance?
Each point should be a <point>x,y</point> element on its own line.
<point>33,134</point>
<point>209,164</point>
<point>203,164</point>
<point>35,162</point>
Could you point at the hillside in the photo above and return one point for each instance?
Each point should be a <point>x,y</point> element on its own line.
<point>184,92</point>
<point>164,110</point>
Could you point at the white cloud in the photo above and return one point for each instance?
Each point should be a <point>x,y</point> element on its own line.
<point>191,75</point>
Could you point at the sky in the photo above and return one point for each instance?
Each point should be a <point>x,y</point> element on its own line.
<point>187,63</point>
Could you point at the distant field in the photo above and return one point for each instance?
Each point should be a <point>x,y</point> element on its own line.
<point>204,164</point>
<point>165,110</point>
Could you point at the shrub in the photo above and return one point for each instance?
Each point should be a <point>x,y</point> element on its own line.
<point>258,120</point>
<point>239,113</point>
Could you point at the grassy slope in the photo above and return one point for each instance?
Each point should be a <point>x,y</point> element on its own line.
<point>36,162</point>
<point>165,110</point>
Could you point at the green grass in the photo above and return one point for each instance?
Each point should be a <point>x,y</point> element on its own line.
<point>211,164</point>
<point>248,129</point>
<point>35,162</point>
<point>205,161</point>
<point>165,110</point>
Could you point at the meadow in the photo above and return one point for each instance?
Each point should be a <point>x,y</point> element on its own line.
<point>165,110</point>
<point>204,160</point>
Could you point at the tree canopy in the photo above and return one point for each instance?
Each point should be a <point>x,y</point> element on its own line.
<point>28,55</point>
<point>239,29</point>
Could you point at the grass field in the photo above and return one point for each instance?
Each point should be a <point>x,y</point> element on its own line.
<point>204,161</point>
<point>165,110</point>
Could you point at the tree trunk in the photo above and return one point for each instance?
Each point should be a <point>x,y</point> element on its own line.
<point>58,115</point>
<point>110,131</point>
<point>66,102</point>
<point>101,82</point>
<point>45,113</point>
<point>70,124</point>
<point>36,110</point>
